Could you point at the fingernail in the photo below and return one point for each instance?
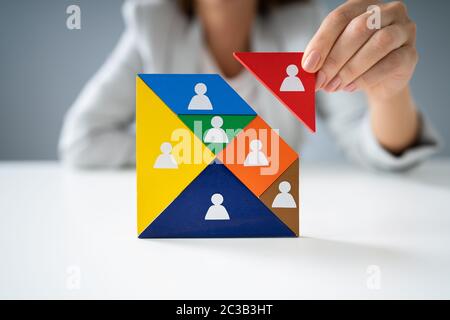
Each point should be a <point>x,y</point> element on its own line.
<point>311,62</point>
<point>333,85</point>
<point>320,80</point>
<point>350,88</point>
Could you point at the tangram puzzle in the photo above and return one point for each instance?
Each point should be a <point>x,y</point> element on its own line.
<point>207,164</point>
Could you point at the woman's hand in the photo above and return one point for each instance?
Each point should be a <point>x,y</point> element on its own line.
<point>349,55</point>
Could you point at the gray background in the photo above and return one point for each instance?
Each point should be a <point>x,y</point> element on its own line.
<point>44,65</point>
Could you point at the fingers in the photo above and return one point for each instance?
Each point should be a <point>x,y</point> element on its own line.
<point>329,31</point>
<point>354,36</point>
<point>398,63</point>
<point>379,45</point>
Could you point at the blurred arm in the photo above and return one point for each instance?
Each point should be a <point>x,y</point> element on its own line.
<point>97,131</point>
<point>347,116</point>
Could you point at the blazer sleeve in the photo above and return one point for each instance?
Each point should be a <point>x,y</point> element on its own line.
<point>98,129</point>
<point>348,120</point>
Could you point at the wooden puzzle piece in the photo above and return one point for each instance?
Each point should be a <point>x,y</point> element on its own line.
<point>197,94</point>
<point>282,74</point>
<point>216,131</point>
<point>282,197</point>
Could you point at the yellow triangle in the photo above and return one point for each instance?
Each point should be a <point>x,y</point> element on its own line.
<point>156,124</point>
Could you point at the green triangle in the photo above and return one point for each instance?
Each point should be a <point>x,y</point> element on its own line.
<point>232,124</point>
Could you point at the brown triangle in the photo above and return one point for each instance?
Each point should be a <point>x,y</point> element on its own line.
<point>290,216</point>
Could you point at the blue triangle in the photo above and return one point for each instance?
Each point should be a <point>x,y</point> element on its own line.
<point>177,90</point>
<point>185,216</point>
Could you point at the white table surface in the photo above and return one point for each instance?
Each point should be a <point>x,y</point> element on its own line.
<point>71,234</point>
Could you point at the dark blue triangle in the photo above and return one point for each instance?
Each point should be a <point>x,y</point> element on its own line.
<point>185,216</point>
<point>176,90</point>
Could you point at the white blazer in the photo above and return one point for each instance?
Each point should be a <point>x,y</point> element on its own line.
<point>98,130</point>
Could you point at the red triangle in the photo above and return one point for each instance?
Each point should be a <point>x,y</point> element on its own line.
<point>270,69</point>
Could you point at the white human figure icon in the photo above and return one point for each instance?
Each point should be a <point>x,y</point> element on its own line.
<point>200,101</point>
<point>292,82</point>
<point>256,158</point>
<point>165,160</point>
<point>284,199</point>
<point>217,211</point>
<point>216,134</point>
